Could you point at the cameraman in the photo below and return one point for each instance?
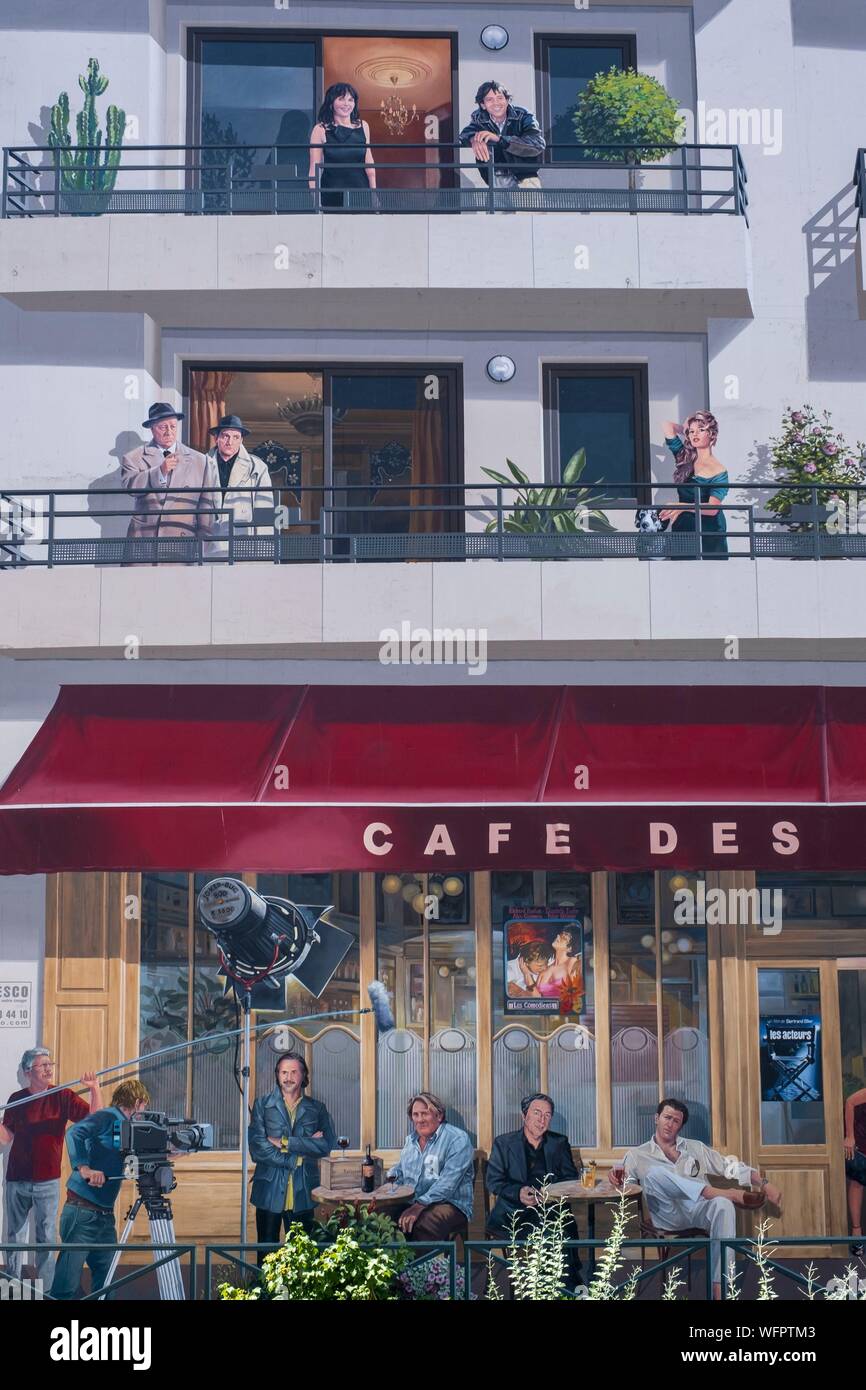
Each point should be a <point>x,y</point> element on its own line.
<point>92,1190</point>
<point>289,1132</point>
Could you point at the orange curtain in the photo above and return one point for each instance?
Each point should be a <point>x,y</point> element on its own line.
<point>207,404</point>
<point>429,465</point>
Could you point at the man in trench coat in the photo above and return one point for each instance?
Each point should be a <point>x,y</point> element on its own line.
<point>166,479</point>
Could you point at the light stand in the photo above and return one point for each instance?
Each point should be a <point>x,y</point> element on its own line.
<point>246,1001</point>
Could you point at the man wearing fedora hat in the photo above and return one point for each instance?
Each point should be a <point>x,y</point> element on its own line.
<point>247,490</point>
<point>166,479</point>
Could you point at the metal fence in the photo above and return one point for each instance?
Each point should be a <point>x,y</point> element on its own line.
<point>466,1274</point>
<point>198,180</point>
<point>354,523</point>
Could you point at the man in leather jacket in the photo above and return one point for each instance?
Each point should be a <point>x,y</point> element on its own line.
<point>505,137</point>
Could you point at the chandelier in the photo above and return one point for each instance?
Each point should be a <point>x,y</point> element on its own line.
<point>306,414</point>
<point>395,113</point>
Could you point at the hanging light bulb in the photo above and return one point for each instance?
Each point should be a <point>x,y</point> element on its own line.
<point>419,902</point>
<point>677,882</point>
<point>392,883</point>
<point>648,942</point>
<point>453,886</point>
<point>409,890</point>
<point>684,944</point>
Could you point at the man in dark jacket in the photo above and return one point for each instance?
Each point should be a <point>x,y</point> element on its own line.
<point>505,138</point>
<point>289,1132</point>
<point>519,1164</point>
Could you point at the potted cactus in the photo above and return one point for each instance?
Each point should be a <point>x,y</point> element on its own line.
<point>88,169</point>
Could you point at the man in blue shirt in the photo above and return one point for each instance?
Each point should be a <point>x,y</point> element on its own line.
<point>93,1189</point>
<point>437,1160</point>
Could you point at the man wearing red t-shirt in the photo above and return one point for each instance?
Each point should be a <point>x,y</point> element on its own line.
<point>36,1131</point>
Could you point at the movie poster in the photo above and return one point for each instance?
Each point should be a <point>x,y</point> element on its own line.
<point>790,1058</point>
<point>543,962</point>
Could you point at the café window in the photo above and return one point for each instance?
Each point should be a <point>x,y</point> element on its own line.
<point>425,944</point>
<point>331,1047</point>
<point>386,440</point>
<point>543,980</point>
<point>181,999</point>
<point>837,898</point>
<point>792,1091</point>
<point>659,1019</point>
<point>604,411</point>
<point>564,64</point>
<point>259,92</point>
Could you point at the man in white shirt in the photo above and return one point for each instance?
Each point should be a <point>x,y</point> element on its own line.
<point>673,1173</point>
<point>166,479</point>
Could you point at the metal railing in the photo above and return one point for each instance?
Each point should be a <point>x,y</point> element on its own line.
<point>161,1257</point>
<point>354,523</point>
<point>197,180</point>
<point>230,1258</point>
<point>860,182</point>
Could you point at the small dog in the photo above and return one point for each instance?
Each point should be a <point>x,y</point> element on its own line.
<point>647,520</point>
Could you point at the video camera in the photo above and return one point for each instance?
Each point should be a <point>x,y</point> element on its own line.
<point>147,1138</point>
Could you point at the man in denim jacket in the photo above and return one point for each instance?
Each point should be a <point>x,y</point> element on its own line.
<point>437,1160</point>
<point>289,1132</point>
<point>505,138</point>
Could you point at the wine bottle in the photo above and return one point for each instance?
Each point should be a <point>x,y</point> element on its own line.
<point>368,1173</point>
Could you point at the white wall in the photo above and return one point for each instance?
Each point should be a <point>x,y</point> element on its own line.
<point>22,948</point>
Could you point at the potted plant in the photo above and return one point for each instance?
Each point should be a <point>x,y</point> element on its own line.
<point>810,452</point>
<point>88,169</point>
<point>541,514</point>
<point>629,110</point>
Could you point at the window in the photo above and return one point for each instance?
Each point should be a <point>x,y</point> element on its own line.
<point>544,1052</point>
<point>331,1048</point>
<point>385,439</point>
<point>425,945</point>
<point>259,92</point>
<point>839,898</point>
<point>181,999</point>
<point>604,411</point>
<point>564,66</point>
<point>658,971</point>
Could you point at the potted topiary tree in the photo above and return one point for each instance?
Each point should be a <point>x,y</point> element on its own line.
<point>87,170</point>
<point>631,111</point>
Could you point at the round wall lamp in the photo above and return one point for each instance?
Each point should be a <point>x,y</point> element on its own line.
<point>494,36</point>
<point>500,368</point>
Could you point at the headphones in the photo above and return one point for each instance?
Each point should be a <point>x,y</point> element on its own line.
<point>293,1057</point>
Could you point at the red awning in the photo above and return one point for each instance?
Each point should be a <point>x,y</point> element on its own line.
<point>312,778</point>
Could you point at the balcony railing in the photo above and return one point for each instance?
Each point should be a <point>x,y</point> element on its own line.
<point>353,523</point>
<point>198,180</point>
<point>860,182</point>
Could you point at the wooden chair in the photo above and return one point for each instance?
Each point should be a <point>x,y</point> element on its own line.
<point>665,1239</point>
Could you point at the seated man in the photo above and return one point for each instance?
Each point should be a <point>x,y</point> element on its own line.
<point>673,1173</point>
<point>519,1164</point>
<point>437,1160</point>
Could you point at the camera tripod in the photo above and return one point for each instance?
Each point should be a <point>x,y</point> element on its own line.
<point>154,1181</point>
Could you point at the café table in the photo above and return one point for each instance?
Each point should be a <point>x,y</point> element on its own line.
<point>388,1195</point>
<point>577,1196</point>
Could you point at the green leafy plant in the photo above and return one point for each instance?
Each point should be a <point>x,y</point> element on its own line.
<point>628,109</point>
<point>344,1272</point>
<point>564,509</point>
<point>368,1226</point>
<point>603,1288</point>
<point>810,451</point>
<point>88,167</point>
<point>537,1260</point>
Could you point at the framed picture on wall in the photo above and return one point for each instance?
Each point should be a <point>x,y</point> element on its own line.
<point>544,969</point>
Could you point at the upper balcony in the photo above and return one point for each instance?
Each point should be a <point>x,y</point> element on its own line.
<point>183,225</point>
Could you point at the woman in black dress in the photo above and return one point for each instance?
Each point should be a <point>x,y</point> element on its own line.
<point>341,142</point>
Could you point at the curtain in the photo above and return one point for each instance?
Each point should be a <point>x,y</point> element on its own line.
<point>207,403</point>
<point>429,464</point>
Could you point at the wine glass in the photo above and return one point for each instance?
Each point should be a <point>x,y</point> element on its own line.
<point>343,1143</point>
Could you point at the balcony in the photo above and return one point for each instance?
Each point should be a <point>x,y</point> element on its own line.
<point>680,258</point>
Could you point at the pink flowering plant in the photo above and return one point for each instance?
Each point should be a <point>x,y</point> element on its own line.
<point>808,451</point>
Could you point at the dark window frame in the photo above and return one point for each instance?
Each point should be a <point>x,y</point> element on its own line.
<point>328,370</point>
<point>543,44</point>
<point>554,372</point>
<point>196,36</point>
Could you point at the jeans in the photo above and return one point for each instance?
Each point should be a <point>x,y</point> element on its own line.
<point>270,1224</point>
<point>44,1199</point>
<point>81,1226</point>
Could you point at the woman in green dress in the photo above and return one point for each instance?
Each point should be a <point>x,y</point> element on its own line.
<point>698,471</point>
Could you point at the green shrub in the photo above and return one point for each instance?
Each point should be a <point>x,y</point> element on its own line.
<point>628,109</point>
